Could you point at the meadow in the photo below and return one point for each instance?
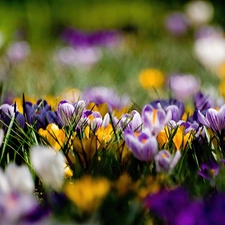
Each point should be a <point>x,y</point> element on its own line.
<point>112,112</point>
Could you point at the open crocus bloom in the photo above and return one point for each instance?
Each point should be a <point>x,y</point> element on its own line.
<point>142,145</point>
<point>213,119</point>
<point>155,119</point>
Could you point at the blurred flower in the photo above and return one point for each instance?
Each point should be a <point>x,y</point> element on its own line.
<point>183,86</point>
<point>16,178</point>
<point>102,38</point>
<point>213,119</point>
<point>210,51</point>
<point>206,31</point>
<point>78,57</point>
<point>15,206</point>
<point>199,12</point>
<point>167,205</point>
<point>17,51</point>
<point>176,23</point>
<point>155,119</point>
<point>202,101</point>
<point>49,165</point>
<point>165,162</point>
<point>87,193</point>
<point>142,144</point>
<point>151,78</point>
<point>101,95</point>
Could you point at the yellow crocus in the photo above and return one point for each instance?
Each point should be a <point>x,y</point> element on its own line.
<point>151,78</point>
<point>180,139</point>
<point>104,134</point>
<point>53,135</point>
<point>87,193</point>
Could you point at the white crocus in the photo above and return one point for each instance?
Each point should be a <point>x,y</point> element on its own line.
<point>20,178</point>
<point>16,178</point>
<point>210,51</point>
<point>199,12</point>
<point>49,166</point>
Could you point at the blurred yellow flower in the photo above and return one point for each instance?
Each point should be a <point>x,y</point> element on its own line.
<point>151,78</point>
<point>162,137</point>
<point>53,135</point>
<point>222,88</point>
<point>87,193</point>
<point>221,71</point>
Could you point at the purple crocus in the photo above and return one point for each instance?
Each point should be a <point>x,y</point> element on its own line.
<point>209,170</point>
<point>101,95</point>
<point>165,162</point>
<point>213,119</point>
<point>143,145</point>
<point>202,101</point>
<point>176,107</point>
<point>155,119</point>
<point>102,38</point>
<point>131,121</point>
<point>176,23</point>
<point>183,86</point>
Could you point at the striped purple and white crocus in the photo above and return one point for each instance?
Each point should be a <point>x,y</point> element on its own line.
<point>155,119</point>
<point>213,119</point>
<point>142,144</point>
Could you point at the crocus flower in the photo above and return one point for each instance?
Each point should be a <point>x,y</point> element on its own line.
<point>176,23</point>
<point>210,51</point>
<point>49,165</point>
<point>199,12</point>
<point>78,57</point>
<point>213,119</point>
<point>101,95</point>
<point>202,101</point>
<point>143,145</point>
<point>150,78</point>
<point>70,113</point>
<point>165,162</point>
<point>53,135</point>
<point>183,86</point>
<point>17,51</point>
<point>15,206</point>
<point>209,170</point>
<point>19,179</point>
<point>155,119</point>
<point>131,121</point>
<point>176,107</point>
<point>87,193</point>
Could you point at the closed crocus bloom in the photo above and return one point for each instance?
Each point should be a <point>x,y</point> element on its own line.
<point>66,112</point>
<point>213,119</point>
<point>143,146</point>
<point>49,166</point>
<point>165,162</point>
<point>155,119</point>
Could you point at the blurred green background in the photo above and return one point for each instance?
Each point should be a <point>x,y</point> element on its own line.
<point>147,44</point>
